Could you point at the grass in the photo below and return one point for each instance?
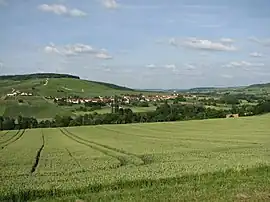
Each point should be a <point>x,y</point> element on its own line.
<point>207,160</point>
<point>108,110</point>
<point>32,106</point>
<point>61,87</point>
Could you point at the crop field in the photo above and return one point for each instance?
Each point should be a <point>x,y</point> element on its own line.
<point>208,160</point>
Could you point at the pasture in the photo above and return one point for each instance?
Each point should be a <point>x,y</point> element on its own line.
<point>35,106</point>
<point>108,110</point>
<point>207,160</point>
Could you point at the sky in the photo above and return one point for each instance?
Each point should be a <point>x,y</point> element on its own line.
<point>138,43</point>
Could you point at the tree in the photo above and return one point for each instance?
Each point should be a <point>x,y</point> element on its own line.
<point>8,124</point>
<point>1,122</point>
<point>20,120</point>
<point>229,99</point>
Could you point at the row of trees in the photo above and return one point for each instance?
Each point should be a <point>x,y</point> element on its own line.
<point>165,112</point>
<point>37,76</point>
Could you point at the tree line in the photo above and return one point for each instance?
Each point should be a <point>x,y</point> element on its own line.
<point>164,112</point>
<point>36,76</point>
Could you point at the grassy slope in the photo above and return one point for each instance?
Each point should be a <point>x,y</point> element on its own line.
<point>258,89</point>
<point>108,110</point>
<point>252,89</point>
<point>182,161</point>
<point>68,85</point>
<point>78,87</point>
<point>35,106</point>
<point>41,108</point>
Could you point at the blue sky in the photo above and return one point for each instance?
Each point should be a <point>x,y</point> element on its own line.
<point>140,44</point>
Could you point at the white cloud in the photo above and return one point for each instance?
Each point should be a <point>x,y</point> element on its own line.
<point>243,64</point>
<point>173,42</point>
<point>59,9</point>
<point>76,50</point>
<point>51,49</point>
<point>77,13</point>
<point>55,8</point>
<point>189,66</point>
<point>103,55</point>
<point>256,54</point>
<point>1,65</point>
<point>172,67</point>
<point>208,45</point>
<point>150,66</point>
<point>111,4</point>
<point>264,42</point>
<point>226,40</point>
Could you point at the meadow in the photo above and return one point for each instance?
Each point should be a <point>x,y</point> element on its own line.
<point>206,160</point>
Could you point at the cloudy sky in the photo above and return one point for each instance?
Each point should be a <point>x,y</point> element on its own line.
<point>139,43</point>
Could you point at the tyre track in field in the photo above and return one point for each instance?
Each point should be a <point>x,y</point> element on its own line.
<point>73,157</point>
<point>12,136</point>
<point>4,134</point>
<point>123,161</point>
<point>141,136</point>
<point>198,139</point>
<point>17,137</point>
<point>141,158</point>
<point>34,167</point>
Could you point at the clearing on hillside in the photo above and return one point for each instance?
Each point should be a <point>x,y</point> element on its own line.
<point>208,160</point>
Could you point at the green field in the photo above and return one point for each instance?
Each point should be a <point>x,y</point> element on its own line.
<point>108,110</point>
<point>208,160</point>
<point>35,106</point>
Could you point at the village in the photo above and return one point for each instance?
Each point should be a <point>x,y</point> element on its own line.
<point>125,99</point>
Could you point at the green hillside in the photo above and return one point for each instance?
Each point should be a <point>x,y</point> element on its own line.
<point>259,88</point>
<point>35,106</point>
<point>68,86</point>
<point>46,85</point>
<point>58,85</point>
<point>251,89</point>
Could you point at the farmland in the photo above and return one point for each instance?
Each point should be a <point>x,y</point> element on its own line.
<point>207,160</point>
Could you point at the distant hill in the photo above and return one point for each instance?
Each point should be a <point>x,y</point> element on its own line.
<point>46,85</point>
<point>36,76</point>
<point>263,85</point>
<point>50,84</point>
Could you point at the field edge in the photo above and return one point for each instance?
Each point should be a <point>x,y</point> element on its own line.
<point>231,178</point>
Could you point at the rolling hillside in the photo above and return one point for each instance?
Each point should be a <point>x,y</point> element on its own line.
<point>45,85</point>
<point>42,85</point>
<point>259,88</point>
<point>58,85</point>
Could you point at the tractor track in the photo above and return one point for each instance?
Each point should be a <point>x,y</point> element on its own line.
<point>7,140</point>
<point>123,161</point>
<point>77,162</point>
<point>199,139</point>
<point>34,167</point>
<point>141,158</point>
<point>4,134</point>
<point>129,134</point>
<point>16,137</point>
